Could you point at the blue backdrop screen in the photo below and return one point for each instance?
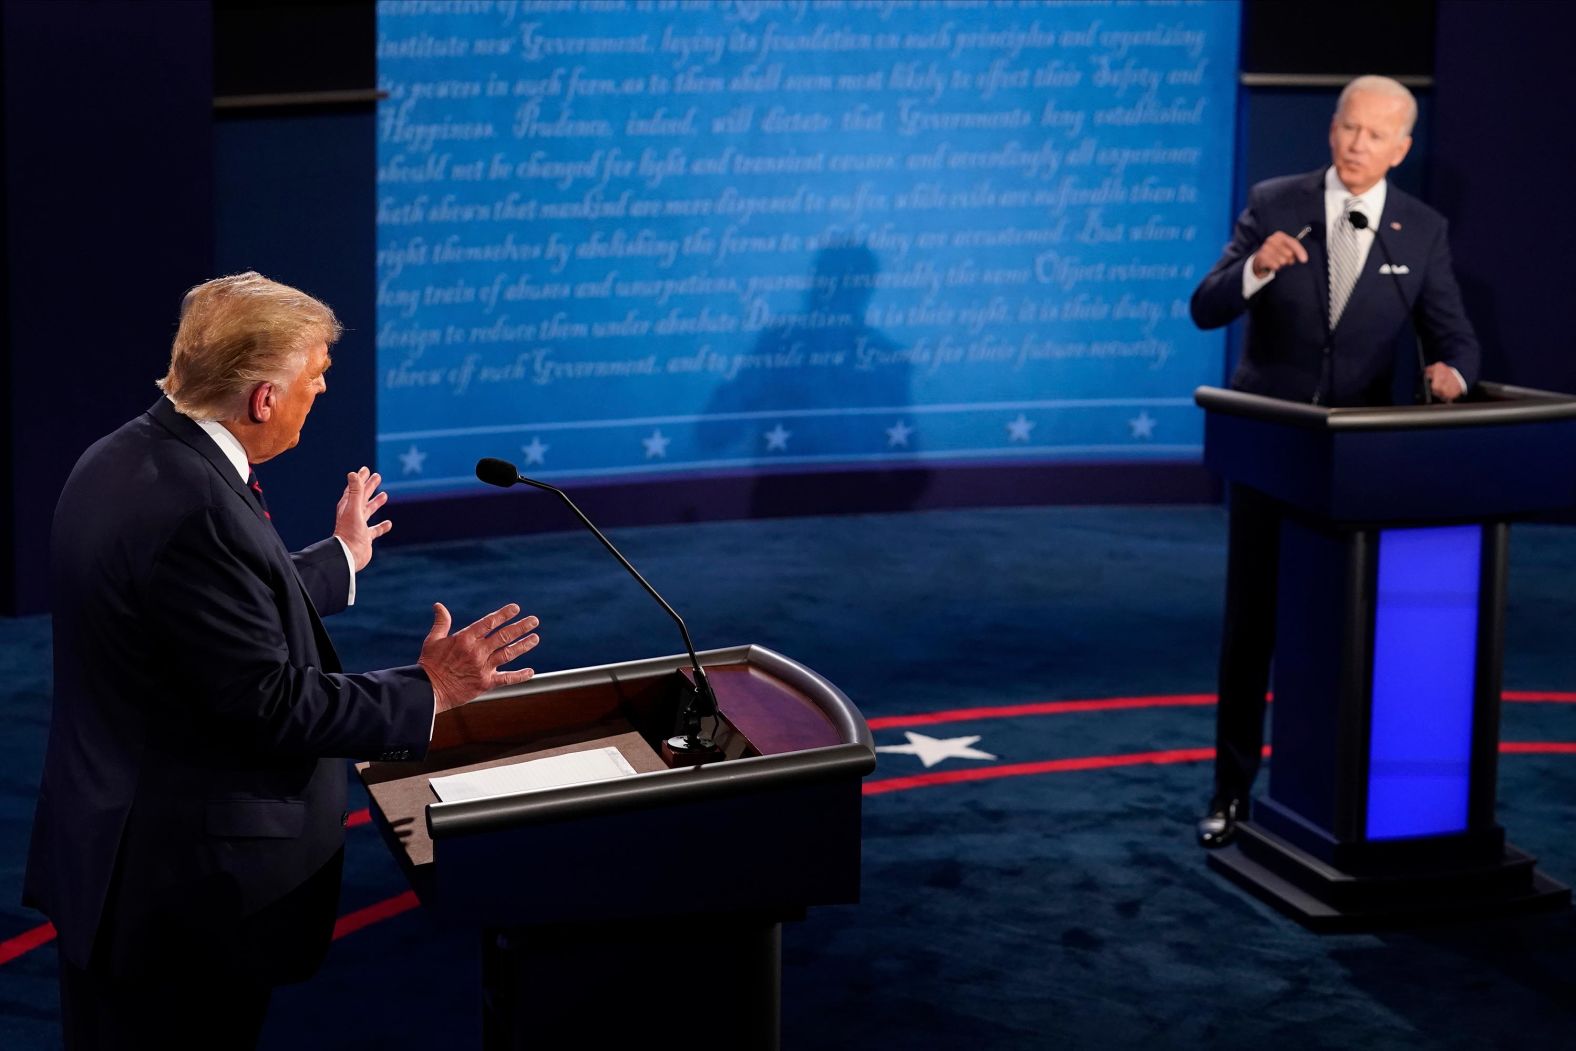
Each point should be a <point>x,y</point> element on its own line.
<point>617,238</point>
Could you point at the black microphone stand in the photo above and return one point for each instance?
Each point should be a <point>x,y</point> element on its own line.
<point>1359,221</point>
<point>691,745</point>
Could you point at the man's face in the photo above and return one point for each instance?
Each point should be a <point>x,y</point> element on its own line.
<point>283,428</point>
<point>1367,140</point>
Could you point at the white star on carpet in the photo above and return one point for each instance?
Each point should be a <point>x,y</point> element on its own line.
<point>412,459</point>
<point>777,438</point>
<point>932,750</point>
<point>1018,430</point>
<point>897,434</point>
<point>536,451</point>
<point>1143,424</point>
<point>656,445</point>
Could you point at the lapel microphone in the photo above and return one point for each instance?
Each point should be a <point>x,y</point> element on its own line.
<point>1359,221</point>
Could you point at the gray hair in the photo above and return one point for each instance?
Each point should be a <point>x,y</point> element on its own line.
<point>1382,86</point>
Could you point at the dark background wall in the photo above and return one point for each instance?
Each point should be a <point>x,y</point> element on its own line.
<point>124,184</point>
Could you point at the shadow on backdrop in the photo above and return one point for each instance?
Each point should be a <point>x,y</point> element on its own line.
<point>827,356</point>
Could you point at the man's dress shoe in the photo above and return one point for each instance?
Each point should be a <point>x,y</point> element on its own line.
<point>1217,827</point>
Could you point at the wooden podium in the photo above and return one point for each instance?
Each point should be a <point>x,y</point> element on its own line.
<point>646,907</point>
<point>1380,803</point>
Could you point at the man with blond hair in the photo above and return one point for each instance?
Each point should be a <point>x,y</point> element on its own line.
<point>1328,318</point>
<point>189,831</point>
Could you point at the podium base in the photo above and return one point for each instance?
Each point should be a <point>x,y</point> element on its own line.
<point>1326,899</point>
<point>712,983</point>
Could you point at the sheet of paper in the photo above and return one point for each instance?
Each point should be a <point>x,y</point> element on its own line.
<point>573,768</point>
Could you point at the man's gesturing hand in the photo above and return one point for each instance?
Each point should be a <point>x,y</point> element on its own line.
<point>1278,250</point>
<point>356,505</point>
<point>465,665</point>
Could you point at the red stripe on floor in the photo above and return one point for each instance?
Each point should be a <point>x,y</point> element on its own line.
<point>1048,766</point>
<point>351,922</point>
<point>26,942</point>
<point>1108,704</point>
<point>21,944</point>
<point>1176,700</point>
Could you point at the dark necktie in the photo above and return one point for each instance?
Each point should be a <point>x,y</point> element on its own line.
<point>257,490</point>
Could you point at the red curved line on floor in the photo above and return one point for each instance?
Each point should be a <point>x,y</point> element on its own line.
<point>1107,704</point>
<point>20,944</point>
<point>1047,766</point>
<point>351,922</point>
<point>26,942</point>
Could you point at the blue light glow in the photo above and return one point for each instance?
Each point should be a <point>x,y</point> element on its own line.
<point>1425,659</point>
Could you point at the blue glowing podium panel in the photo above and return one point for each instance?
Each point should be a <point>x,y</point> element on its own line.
<point>1380,802</point>
<point>1424,667</point>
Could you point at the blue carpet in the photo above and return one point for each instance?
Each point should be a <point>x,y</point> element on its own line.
<point>1061,909</point>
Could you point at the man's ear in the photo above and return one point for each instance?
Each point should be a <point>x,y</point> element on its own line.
<point>260,403</point>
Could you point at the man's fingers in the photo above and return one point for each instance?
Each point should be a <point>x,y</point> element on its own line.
<point>379,529</point>
<point>440,622</point>
<point>517,648</point>
<point>516,631</point>
<point>373,481</point>
<point>494,620</point>
<point>510,678</point>
<point>376,502</point>
<point>353,483</point>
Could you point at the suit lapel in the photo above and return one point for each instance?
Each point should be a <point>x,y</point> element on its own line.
<point>1318,253</point>
<point>182,427</point>
<point>186,430</point>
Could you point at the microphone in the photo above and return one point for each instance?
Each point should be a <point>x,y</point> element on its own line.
<point>690,746</point>
<point>1359,221</point>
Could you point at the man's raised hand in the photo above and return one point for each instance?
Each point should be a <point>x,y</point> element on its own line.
<point>465,665</point>
<point>357,504</point>
<point>1279,249</point>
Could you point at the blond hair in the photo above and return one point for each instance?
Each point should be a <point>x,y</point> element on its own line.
<point>1382,86</point>
<point>237,332</point>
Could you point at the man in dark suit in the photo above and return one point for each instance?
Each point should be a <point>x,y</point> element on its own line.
<point>189,829</point>
<point>1327,316</point>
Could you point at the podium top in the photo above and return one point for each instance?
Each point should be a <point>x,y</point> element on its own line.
<point>773,822</point>
<point>1495,404</point>
<point>1502,454</point>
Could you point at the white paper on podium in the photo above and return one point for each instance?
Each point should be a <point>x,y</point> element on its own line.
<point>572,768</point>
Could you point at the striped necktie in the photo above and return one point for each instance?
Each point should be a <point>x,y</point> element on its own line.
<point>1345,261</point>
<point>257,490</point>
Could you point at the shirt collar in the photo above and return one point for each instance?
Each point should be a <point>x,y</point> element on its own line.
<point>1370,203</point>
<point>228,444</point>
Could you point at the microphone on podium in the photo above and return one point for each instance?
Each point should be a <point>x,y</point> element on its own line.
<point>1359,221</point>
<point>690,745</point>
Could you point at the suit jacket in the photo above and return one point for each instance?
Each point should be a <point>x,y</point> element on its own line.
<point>185,787</point>
<point>1289,351</point>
